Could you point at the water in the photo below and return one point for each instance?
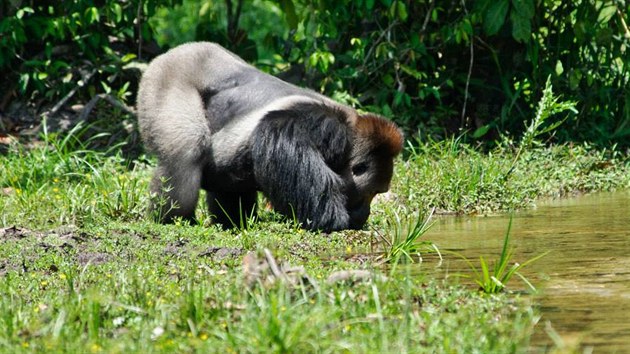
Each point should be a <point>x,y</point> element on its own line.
<point>584,281</point>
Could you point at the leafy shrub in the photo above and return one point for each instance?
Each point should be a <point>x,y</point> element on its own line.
<point>438,68</point>
<point>461,66</point>
<point>49,48</point>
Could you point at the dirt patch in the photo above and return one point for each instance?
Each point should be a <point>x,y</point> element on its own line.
<point>222,253</point>
<point>93,258</point>
<point>65,233</point>
<point>14,233</point>
<point>176,248</point>
<point>6,267</point>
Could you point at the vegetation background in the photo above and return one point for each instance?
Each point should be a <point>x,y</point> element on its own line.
<point>82,268</point>
<point>436,67</point>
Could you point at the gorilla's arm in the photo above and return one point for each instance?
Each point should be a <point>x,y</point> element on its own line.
<point>299,155</point>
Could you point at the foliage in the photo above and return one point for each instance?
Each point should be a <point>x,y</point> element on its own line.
<point>402,236</point>
<point>137,299</point>
<point>476,67</point>
<point>73,183</point>
<point>252,35</point>
<point>548,106</point>
<point>84,271</point>
<point>456,178</point>
<point>438,68</point>
<point>48,49</point>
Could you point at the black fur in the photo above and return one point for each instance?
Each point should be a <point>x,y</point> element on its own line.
<point>299,156</point>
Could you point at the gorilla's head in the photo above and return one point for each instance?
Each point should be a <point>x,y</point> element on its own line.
<point>375,145</point>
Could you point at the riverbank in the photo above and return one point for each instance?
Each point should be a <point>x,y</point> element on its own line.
<point>83,271</point>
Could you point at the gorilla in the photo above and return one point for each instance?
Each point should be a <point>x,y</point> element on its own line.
<point>217,123</point>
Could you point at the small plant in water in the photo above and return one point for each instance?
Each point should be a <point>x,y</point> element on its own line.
<point>401,242</point>
<point>495,281</point>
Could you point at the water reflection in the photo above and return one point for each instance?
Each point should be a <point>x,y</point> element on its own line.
<point>584,281</point>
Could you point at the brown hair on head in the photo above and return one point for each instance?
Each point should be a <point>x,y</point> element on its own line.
<point>383,133</point>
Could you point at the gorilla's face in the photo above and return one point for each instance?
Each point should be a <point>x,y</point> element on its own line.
<point>371,171</point>
<point>375,144</point>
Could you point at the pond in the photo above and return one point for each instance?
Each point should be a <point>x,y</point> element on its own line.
<point>583,283</point>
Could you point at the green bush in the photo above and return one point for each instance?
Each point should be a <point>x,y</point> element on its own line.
<point>49,48</point>
<point>479,67</point>
<point>438,68</point>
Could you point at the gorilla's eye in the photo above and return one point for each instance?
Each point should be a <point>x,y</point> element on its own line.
<point>359,169</point>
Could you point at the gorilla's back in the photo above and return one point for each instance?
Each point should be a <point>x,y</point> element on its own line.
<point>244,91</point>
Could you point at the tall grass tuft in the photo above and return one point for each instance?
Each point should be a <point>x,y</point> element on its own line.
<point>401,241</point>
<point>492,281</point>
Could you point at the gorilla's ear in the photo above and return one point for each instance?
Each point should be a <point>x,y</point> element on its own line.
<point>298,155</point>
<point>379,135</point>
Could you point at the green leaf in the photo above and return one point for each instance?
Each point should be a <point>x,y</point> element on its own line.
<point>412,72</point>
<point>92,15</point>
<point>288,8</point>
<point>559,68</point>
<point>480,6</point>
<point>524,8</point>
<point>128,57</point>
<point>321,60</point>
<point>521,27</point>
<point>386,110</point>
<point>495,16</point>
<point>481,131</point>
<point>606,13</point>
<point>23,83</point>
<point>401,99</point>
<point>575,77</point>
<point>388,80</point>
<point>106,87</point>
<point>20,13</point>
<point>402,10</point>
<point>117,11</point>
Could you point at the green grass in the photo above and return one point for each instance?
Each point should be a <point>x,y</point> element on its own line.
<point>401,237</point>
<point>88,272</point>
<point>138,287</point>
<point>455,178</point>
<point>493,278</point>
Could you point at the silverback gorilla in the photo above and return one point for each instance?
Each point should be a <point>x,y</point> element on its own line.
<point>217,123</point>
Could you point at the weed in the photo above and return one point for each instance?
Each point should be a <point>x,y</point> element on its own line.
<point>246,219</point>
<point>492,281</point>
<point>401,241</point>
<point>119,195</point>
<point>160,205</point>
<point>548,106</point>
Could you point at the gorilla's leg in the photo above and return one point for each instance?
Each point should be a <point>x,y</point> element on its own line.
<point>175,191</point>
<point>232,209</point>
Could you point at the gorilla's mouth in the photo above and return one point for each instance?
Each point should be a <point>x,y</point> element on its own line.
<point>359,215</point>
